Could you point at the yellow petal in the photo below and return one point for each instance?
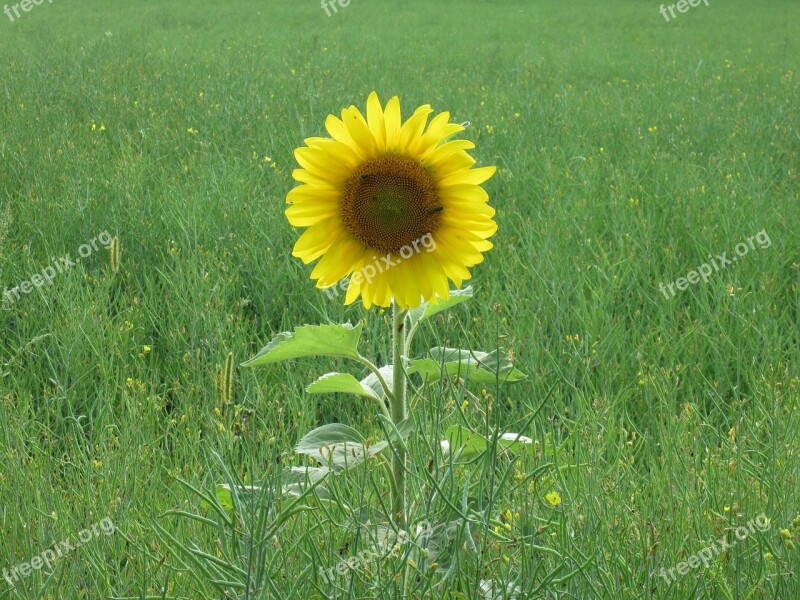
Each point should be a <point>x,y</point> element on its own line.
<point>436,275</point>
<point>392,121</point>
<point>341,133</point>
<point>463,193</point>
<point>307,214</point>
<point>453,267</point>
<point>313,194</point>
<point>412,129</point>
<point>458,162</point>
<point>314,179</point>
<point>316,240</point>
<point>482,245</point>
<point>473,176</point>
<point>405,285</point>
<point>338,130</point>
<point>339,260</point>
<point>380,291</point>
<point>438,130</point>
<point>375,120</point>
<point>322,166</point>
<point>359,131</point>
<point>461,249</point>
<point>483,227</point>
<point>353,291</point>
<point>439,153</point>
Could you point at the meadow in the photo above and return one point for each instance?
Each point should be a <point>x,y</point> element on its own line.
<point>631,152</point>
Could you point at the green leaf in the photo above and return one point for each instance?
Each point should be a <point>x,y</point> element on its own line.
<point>310,340</point>
<point>295,481</point>
<point>224,497</point>
<point>337,446</point>
<point>341,382</point>
<point>468,443</point>
<point>222,491</point>
<point>517,442</point>
<point>327,435</point>
<point>399,431</point>
<point>428,309</point>
<point>371,381</point>
<point>478,367</point>
<point>303,475</point>
<point>458,438</point>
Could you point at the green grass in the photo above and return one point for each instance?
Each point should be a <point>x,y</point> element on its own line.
<point>629,149</point>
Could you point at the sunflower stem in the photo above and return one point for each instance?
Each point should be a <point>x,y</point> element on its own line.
<point>398,402</point>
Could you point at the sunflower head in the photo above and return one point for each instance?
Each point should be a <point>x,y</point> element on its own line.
<point>392,209</point>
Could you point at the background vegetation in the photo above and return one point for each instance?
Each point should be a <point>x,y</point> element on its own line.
<point>629,149</point>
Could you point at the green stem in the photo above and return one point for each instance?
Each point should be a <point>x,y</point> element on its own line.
<point>398,403</point>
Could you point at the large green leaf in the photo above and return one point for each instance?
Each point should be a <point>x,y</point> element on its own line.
<point>337,446</point>
<point>371,381</point>
<point>341,382</point>
<point>398,431</point>
<point>428,309</point>
<point>310,340</point>
<point>295,481</point>
<point>224,496</point>
<point>466,443</point>
<point>479,367</point>
<point>328,435</point>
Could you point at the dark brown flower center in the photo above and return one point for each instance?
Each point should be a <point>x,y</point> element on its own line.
<point>389,202</point>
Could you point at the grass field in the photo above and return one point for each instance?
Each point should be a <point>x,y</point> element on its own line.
<point>630,151</point>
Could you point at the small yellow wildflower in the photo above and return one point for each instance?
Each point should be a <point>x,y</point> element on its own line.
<point>554,498</point>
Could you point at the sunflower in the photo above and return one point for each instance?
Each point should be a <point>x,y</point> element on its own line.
<point>392,210</point>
